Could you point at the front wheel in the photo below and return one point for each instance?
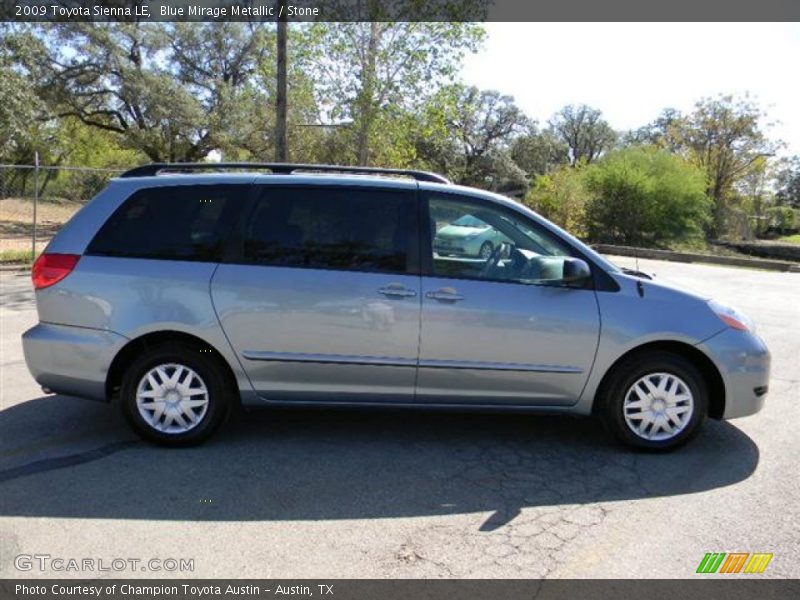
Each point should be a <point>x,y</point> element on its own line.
<point>655,401</point>
<point>486,250</point>
<point>175,394</point>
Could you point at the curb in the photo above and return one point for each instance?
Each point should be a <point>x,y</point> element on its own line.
<point>691,257</point>
<point>12,267</point>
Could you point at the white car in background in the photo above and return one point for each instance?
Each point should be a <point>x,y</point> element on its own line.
<point>468,236</point>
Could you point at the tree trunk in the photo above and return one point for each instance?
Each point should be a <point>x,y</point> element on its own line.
<point>281,150</point>
<point>367,96</point>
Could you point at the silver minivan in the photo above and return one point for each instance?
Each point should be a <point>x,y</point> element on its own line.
<point>182,291</point>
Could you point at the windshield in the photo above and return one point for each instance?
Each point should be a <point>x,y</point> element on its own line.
<point>470,221</point>
<point>547,244</point>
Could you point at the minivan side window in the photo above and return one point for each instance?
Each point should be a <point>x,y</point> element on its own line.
<point>476,240</point>
<point>171,223</point>
<point>332,228</point>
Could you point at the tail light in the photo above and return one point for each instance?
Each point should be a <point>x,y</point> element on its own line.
<point>52,268</point>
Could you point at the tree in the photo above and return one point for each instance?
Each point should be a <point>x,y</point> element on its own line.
<point>788,183</point>
<point>663,132</point>
<point>539,152</point>
<point>724,137</point>
<point>253,133</point>
<point>468,134</point>
<point>20,109</point>
<point>484,124</point>
<point>367,73</point>
<point>752,198</point>
<point>645,197</point>
<point>584,131</point>
<point>216,64</point>
<point>165,89</point>
<point>560,196</point>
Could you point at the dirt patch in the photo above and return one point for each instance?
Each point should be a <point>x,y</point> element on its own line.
<point>16,221</point>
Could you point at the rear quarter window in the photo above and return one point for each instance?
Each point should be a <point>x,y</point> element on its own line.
<point>171,223</point>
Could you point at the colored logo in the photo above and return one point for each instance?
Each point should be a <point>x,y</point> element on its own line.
<point>734,562</point>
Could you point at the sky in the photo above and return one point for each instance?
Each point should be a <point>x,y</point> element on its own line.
<point>631,71</point>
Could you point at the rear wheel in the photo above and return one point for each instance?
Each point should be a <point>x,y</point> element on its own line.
<point>175,394</point>
<point>486,250</point>
<point>655,401</point>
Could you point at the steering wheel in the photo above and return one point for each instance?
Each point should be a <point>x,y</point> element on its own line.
<point>502,251</point>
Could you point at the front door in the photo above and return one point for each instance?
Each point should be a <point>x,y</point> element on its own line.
<point>324,301</point>
<point>503,330</point>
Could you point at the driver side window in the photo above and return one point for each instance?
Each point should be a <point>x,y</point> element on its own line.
<point>475,240</point>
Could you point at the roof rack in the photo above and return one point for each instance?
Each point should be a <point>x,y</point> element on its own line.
<point>281,169</point>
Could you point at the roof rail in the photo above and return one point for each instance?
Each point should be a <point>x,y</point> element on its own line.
<point>281,169</point>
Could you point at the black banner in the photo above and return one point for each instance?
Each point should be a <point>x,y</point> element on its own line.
<point>399,10</point>
<point>729,588</point>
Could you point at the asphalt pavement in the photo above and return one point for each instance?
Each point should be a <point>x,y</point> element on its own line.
<point>324,494</point>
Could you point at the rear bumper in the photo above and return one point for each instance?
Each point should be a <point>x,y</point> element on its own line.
<point>744,363</point>
<point>71,360</point>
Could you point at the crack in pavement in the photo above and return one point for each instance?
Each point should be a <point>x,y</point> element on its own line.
<point>535,524</point>
<point>62,462</point>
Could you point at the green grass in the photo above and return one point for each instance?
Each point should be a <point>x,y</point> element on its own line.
<point>792,239</point>
<point>701,246</point>
<point>20,257</point>
<point>692,245</point>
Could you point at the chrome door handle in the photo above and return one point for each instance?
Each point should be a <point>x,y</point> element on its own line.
<point>445,295</point>
<point>397,291</point>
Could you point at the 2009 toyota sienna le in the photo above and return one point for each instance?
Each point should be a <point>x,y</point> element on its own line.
<point>180,292</point>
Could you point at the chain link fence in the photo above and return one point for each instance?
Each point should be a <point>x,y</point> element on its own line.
<point>36,200</point>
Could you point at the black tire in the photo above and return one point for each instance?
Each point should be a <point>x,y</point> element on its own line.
<point>211,373</point>
<point>486,250</point>
<point>620,382</point>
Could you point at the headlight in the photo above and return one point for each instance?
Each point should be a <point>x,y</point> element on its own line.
<point>732,317</point>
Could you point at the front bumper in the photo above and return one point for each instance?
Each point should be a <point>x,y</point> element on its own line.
<point>743,361</point>
<point>455,249</point>
<point>71,360</point>
<point>457,246</point>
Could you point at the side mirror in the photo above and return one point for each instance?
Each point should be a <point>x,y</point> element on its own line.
<point>575,271</point>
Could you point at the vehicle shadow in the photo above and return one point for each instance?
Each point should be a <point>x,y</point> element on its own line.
<point>331,464</point>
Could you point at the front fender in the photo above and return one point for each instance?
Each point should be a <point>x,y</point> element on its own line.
<point>630,319</point>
